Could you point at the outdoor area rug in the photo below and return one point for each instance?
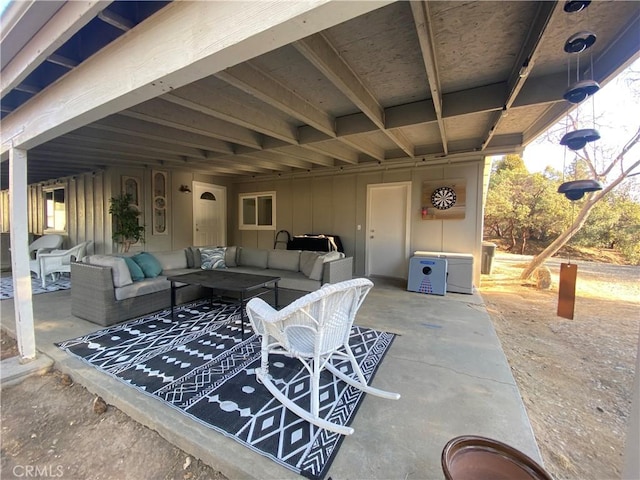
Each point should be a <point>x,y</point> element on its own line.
<point>62,283</point>
<point>199,365</point>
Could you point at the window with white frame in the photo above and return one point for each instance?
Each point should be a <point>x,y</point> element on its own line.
<point>258,211</point>
<point>55,209</point>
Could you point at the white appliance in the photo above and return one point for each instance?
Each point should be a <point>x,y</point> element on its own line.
<point>427,275</point>
<point>459,270</point>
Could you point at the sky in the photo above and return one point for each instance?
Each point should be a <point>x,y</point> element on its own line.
<point>618,113</point>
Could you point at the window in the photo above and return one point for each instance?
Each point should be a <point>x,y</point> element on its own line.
<point>258,211</point>
<point>55,211</point>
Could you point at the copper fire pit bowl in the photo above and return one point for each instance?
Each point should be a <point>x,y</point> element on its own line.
<point>478,458</point>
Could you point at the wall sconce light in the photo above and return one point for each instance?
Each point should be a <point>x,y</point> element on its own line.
<point>184,189</point>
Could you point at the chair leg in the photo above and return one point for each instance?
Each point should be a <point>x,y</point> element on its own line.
<point>361,383</point>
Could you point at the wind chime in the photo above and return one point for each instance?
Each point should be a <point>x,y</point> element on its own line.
<point>577,92</point>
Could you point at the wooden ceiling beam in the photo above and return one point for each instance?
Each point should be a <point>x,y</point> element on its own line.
<point>318,50</point>
<point>105,139</point>
<point>422,20</point>
<point>210,102</point>
<point>115,20</point>
<point>91,93</point>
<point>525,61</point>
<point>259,84</point>
<point>67,21</point>
<point>176,116</point>
<point>153,131</point>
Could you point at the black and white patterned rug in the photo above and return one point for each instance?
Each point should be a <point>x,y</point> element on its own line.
<point>200,365</point>
<point>62,283</point>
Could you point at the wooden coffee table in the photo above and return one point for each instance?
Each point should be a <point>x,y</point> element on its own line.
<point>240,284</point>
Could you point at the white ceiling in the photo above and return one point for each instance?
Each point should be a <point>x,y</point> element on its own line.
<point>408,80</point>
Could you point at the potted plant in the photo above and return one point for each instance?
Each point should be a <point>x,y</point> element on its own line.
<point>126,229</point>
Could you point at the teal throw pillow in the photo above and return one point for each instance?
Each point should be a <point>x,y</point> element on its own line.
<point>134,269</point>
<point>213,258</point>
<point>148,263</point>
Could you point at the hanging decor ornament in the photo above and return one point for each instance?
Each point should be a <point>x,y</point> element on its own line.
<point>577,93</point>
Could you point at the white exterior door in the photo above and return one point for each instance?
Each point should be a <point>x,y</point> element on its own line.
<point>209,214</point>
<point>387,240</point>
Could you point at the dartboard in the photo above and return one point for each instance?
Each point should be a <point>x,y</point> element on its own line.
<point>443,198</point>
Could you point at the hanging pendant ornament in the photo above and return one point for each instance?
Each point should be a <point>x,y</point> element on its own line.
<point>575,94</point>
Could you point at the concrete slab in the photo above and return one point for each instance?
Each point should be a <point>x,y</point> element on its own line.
<point>12,370</point>
<point>446,362</point>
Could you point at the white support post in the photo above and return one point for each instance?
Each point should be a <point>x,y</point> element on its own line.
<point>23,305</point>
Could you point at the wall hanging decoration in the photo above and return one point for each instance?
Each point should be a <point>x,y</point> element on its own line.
<point>159,186</point>
<point>443,199</point>
<point>131,186</point>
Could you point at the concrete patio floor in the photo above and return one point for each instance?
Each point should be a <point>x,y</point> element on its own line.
<point>446,362</point>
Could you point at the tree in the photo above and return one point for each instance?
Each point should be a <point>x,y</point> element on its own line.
<point>520,205</point>
<point>126,229</point>
<point>612,169</point>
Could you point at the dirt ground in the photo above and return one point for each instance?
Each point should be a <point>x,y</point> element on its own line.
<point>575,377</point>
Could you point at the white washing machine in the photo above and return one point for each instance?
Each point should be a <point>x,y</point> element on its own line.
<point>459,270</point>
<point>427,275</point>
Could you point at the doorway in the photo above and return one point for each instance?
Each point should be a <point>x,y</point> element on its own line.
<point>387,240</point>
<point>209,214</point>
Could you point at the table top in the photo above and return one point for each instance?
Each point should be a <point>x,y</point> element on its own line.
<point>224,280</point>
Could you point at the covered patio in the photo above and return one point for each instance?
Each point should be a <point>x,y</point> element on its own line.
<point>446,362</point>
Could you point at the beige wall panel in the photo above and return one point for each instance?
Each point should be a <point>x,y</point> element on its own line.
<point>302,208</point>
<point>284,206</point>
<point>89,207</point>
<point>72,213</point>
<point>344,208</point>
<point>181,210</point>
<point>322,205</point>
<point>81,207</point>
<point>99,223</point>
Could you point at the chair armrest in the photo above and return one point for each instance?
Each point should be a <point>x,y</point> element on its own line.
<point>338,270</point>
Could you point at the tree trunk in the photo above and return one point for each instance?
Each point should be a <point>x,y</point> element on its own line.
<point>562,240</point>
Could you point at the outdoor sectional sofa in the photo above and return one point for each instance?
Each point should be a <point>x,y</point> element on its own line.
<point>103,290</point>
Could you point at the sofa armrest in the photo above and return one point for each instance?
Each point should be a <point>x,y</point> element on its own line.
<point>338,270</point>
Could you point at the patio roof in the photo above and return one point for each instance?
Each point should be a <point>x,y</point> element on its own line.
<point>332,86</point>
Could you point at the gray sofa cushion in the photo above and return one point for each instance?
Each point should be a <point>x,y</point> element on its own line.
<point>231,256</point>
<point>119,269</point>
<point>171,260</point>
<point>307,261</point>
<point>284,260</point>
<point>148,285</point>
<point>318,266</point>
<point>253,257</point>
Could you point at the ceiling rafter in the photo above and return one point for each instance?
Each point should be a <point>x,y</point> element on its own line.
<point>259,84</point>
<point>318,50</point>
<point>105,139</point>
<point>422,19</point>
<point>151,131</point>
<point>210,102</point>
<point>524,63</point>
<point>182,118</point>
<point>115,20</point>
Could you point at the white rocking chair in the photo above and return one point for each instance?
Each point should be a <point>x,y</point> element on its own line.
<point>59,261</point>
<point>314,329</point>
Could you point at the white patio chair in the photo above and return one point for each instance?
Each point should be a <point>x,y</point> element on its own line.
<point>59,261</point>
<point>314,329</point>
<point>44,244</point>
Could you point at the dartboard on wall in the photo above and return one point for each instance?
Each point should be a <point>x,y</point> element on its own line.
<point>443,198</point>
